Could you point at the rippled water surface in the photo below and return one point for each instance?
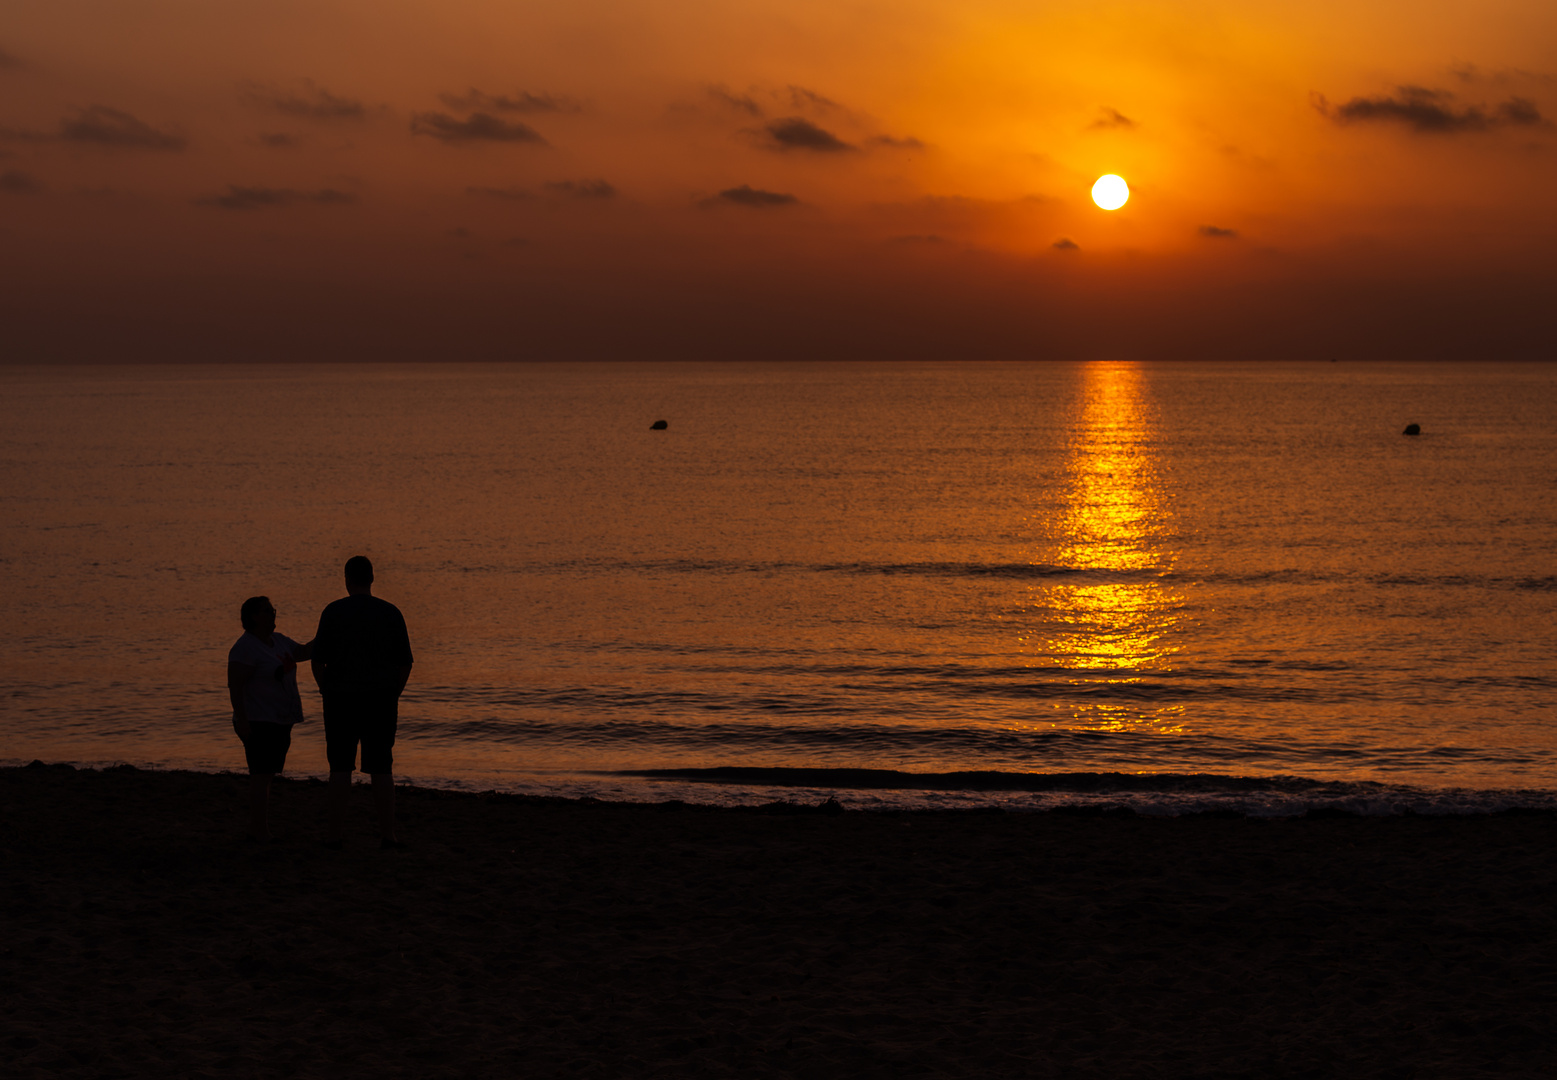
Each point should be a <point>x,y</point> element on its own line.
<point>1163,584</point>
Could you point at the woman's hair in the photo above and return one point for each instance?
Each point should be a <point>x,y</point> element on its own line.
<point>252,610</point>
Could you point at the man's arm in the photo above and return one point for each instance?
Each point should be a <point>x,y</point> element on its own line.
<point>303,652</point>
<point>238,676</point>
<point>319,664</point>
<point>404,659</point>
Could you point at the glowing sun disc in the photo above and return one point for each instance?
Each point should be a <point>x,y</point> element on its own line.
<point>1110,192</point>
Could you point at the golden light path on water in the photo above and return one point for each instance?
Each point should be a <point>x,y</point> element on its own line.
<point>1119,620</point>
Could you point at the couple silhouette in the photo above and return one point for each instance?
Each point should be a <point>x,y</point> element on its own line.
<point>361,660</point>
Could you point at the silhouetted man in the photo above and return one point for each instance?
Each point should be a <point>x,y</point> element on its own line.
<point>361,661</point>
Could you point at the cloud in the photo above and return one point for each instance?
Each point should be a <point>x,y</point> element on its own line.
<point>278,140</point>
<point>746,195</point>
<point>1472,74</point>
<point>795,133</point>
<point>478,127</point>
<point>513,194</point>
<point>918,238</point>
<point>801,98</point>
<point>582,189</point>
<point>1215,232</point>
<point>1065,243</point>
<point>256,198</point>
<point>739,102</point>
<point>523,102</point>
<point>1431,112</point>
<point>1521,112</point>
<point>103,126</point>
<point>17,183</point>
<point>1111,118</point>
<point>308,100</point>
<point>8,62</point>
<point>906,143</point>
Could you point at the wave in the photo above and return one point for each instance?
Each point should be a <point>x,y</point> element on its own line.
<point>989,780</point>
<point>867,690</point>
<point>1166,569</point>
<point>1155,794</point>
<point>648,739</point>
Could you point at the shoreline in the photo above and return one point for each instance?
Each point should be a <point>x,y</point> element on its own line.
<point>535,936</point>
<point>886,790</point>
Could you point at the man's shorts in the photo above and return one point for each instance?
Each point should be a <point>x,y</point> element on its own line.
<point>266,747</point>
<point>368,720</point>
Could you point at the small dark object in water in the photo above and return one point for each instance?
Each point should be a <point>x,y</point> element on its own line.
<point>1412,429</point>
<point>660,425</point>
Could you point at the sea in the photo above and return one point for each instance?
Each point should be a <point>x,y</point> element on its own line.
<point>1169,588</point>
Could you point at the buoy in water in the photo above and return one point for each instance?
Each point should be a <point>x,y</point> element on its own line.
<point>660,425</point>
<point>1412,429</point>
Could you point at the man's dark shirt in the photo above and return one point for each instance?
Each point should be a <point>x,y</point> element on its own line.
<point>361,642</point>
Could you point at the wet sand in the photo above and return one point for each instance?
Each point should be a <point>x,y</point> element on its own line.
<point>530,938</point>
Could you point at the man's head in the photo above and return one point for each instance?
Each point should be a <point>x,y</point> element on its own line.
<point>359,573</point>
<point>258,615</point>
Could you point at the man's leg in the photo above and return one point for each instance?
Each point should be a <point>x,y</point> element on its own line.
<point>384,800</point>
<point>340,750</point>
<point>340,789</point>
<point>259,799</point>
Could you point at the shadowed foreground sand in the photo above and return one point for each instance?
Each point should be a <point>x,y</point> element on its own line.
<point>528,938</point>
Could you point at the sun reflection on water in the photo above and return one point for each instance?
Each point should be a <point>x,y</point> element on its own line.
<point>1113,624</point>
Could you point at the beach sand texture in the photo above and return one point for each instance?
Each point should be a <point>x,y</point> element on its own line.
<point>531,938</point>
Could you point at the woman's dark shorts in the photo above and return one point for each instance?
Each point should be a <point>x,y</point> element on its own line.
<point>368,720</point>
<point>266,747</point>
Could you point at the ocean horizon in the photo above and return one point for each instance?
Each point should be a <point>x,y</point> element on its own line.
<point>1171,587</point>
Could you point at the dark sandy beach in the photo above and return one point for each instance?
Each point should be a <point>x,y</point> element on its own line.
<point>527,937</point>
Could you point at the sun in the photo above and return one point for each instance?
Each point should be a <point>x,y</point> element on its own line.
<point>1110,192</point>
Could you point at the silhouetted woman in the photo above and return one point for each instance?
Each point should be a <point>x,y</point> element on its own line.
<point>262,682</point>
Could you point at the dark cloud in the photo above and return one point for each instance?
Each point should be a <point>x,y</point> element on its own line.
<point>1111,118</point>
<point>102,126</point>
<point>307,100</point>
<point>1522,113</point>
<point>1065,243</point>
<point>795,133</point>
<point>523,102</point>
<point>746,195</point>
<point>1431,112</point>
<point>513,194</point>
<point>801,98</point>
<point>477,127</point>
<point>1215,232</point>
<point>256,198</point>
<point>907,143</point>
<point>8,62</point>
<point>17,183</point>
<point>582,189</point>
<point>278,140</point>
<point>739,102</point>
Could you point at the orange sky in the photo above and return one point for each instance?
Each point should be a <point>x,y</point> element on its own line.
<point>408,179</point>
